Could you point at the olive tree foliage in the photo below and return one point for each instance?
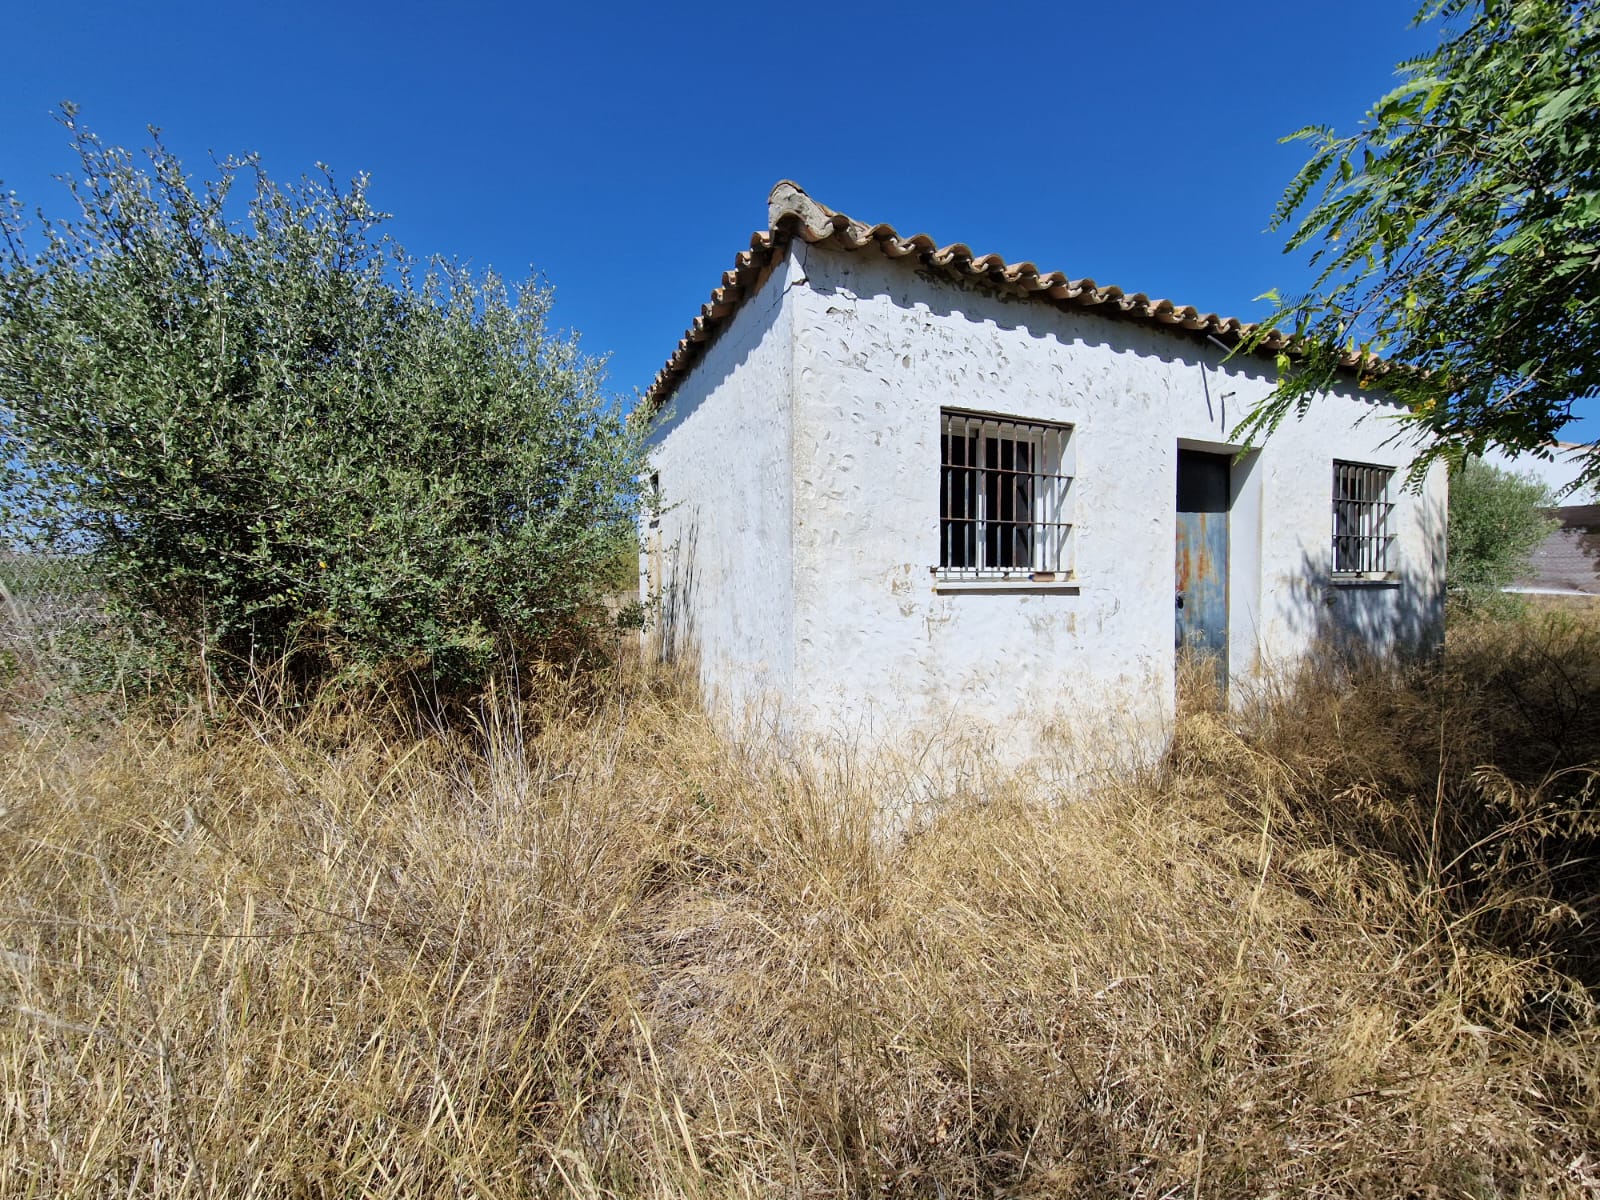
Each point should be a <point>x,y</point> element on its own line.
<point>1456,234</point>
<point>1497,520</point>
<point>278,438</point>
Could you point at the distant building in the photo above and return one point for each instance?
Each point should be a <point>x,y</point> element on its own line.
<point>1567,563</point>
<point>1558,472</point>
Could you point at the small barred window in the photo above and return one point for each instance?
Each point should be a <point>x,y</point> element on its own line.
<point>1003,498</point>
<point>1363,532</point>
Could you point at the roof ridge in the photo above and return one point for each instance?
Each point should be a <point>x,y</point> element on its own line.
<point>788,199</point>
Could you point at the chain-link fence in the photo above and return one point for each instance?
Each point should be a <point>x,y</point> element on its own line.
<point>48,602</point>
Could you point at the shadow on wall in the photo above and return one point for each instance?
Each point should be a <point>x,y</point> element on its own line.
<point>1402,615</point>
<point>943,296</point>
<point>722,361</point>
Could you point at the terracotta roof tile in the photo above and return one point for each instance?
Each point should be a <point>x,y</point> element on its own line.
<point>791,213</point>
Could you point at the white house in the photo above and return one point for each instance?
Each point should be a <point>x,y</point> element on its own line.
<point>905,488</point>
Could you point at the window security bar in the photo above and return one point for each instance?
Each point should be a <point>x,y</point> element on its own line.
<point>1362,525</point>
<point>1003,491</point>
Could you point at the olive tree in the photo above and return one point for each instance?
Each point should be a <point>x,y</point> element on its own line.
<point>276,437</point>
<point>1497,520</point>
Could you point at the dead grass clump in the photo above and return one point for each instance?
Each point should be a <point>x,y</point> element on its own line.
<point>1467,784</point>
<point>587,948</point>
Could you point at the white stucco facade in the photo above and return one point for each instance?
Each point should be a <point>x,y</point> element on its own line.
<point>798,546</point>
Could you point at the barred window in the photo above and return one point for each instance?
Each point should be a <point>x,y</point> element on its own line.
<point>1362,519</point>
<point>1003,492</point>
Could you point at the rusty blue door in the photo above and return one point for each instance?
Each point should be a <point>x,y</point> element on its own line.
<point>1202,568</point>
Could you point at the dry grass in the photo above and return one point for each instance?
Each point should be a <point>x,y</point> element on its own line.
<point>590,949</point>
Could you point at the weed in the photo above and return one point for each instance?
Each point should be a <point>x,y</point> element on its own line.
<point>584,946</point>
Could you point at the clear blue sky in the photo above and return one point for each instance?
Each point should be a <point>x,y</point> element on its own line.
<point>624,151</point>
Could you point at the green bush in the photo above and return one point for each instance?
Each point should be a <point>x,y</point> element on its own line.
<point>279,438</point>
<point>1497,520</point>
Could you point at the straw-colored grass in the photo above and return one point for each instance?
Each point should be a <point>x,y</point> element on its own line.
<point>589,948</point>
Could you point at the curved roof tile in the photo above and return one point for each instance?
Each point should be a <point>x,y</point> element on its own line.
<point>791,213</point>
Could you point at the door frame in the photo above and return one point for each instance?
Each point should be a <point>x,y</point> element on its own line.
<point>1246,580</point>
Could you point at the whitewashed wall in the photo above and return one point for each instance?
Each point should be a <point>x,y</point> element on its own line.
<point>868,645</point>
<point>721,555</point>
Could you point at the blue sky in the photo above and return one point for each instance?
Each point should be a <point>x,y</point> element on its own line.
<point>625,151</point>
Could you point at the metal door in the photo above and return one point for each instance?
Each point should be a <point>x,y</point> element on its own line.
<point>1202,566</point>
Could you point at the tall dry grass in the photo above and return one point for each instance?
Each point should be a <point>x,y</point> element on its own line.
<point>588,948</point>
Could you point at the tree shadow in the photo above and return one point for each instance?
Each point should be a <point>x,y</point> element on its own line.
<point>1400,615</point>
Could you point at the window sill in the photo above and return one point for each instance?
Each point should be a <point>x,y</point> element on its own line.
<point>1385,579</point>
<point>1017,584</point>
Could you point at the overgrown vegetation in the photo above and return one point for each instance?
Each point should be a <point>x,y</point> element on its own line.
<point>1457,232</point>
<point>274,437</point>
<point>1338,947</point>
<point>1496,523</point>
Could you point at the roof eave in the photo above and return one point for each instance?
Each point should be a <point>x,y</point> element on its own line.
<point>792,213</point>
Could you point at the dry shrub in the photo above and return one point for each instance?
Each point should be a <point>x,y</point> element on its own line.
<point>588,948</point>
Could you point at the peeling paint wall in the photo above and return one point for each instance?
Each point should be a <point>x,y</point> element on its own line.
<point>867,645</point>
